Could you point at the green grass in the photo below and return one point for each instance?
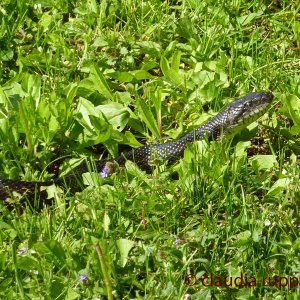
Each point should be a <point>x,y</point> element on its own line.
<point>89,79</point>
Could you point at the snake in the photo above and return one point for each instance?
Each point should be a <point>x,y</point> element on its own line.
<point>229,121</point>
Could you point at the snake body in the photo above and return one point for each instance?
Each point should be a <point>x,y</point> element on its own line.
<point>228,122</point>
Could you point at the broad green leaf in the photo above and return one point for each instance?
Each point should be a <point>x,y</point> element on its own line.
<point>281,184</point>
<point>43,110</point>
<point>27,263</point>
<point>240,153</point>
<point>245,20</point>
<point>86,87</point>
<point>243,238</point>
<point>3,98</point>
<point>14,93</point>
<point>185,28</point>
<point>172,75</point>
<point>148,65</point>
<point>157,99</point>
<point>141,75</point>
<point>45,21</point>
<point>91,127</point>
<point>123,97</point>
<point>147,235</point>
<point>296,29</point>
<point>7,282</point>
<point>135,123</point>
<point>57,249</point>
<point>100,82</point>
<point>4,225</point>
<point>264,162</point>
<point>70,165</point>
<point>176,61</point>
<point>131,140</point>
<point>195,4</point>
<point>87,109</point>
<point>4,128</point>
<point>32,85</point>
<point>175,78</point>
<point>100,41</point>
<point>240,148</point>
<point>135,171</point>
<point>70,92</point>
<point>211,65</point>
<point>72,294</point>
<point>94,133</point>
<point>53,124</point>
<point>122,76</point>
<point>117,136</point>
<point>149,47</point>
<point>171,49</point>
<point>293,103</point>
<point>202,78</point>
<point>127,139</point>
<point>147,117</point>
<point>51,247</point>
<point>164,65</point>
<point>106,222</point>
<point>124,246</point>
<point>6,55</point>
<point>26,121</point>
<point>116,114</point>
<point>256,236</point>
<point>102,129</point>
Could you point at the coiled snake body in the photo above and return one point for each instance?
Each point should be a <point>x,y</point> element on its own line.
<point>229,121</point>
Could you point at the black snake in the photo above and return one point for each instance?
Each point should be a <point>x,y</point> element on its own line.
<point>229,121</point>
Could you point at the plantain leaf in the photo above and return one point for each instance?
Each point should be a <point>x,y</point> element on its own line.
<point>293,103</point>
<point>116,114</point>
<point>100,82</point>
<point>141,75</point>
<point>263,162</point>
<point>91,127</point>
<point>247,19</point>
<point>172,75</point>
<point>176,61</point>
<point>147,117</point>
<point>281,184</point>
<point>124,246</point>
<point>164,65</point>
<point>31,84</point>
<point>122,76</point>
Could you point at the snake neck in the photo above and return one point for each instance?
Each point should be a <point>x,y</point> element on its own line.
<point>210,130</point>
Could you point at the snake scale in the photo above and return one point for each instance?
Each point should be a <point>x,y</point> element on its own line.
<point>228,122</point>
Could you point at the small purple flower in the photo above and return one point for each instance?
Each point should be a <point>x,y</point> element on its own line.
<point>177,242</point>
<point>83,278</point>
<point>105,171</point>
<point>22,251</point>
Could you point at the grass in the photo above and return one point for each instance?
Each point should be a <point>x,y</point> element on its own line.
<point>89,79</point>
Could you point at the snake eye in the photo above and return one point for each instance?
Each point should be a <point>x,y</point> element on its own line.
<point>248,106</point>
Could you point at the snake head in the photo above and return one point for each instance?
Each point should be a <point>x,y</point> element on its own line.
<point>245,110</point>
